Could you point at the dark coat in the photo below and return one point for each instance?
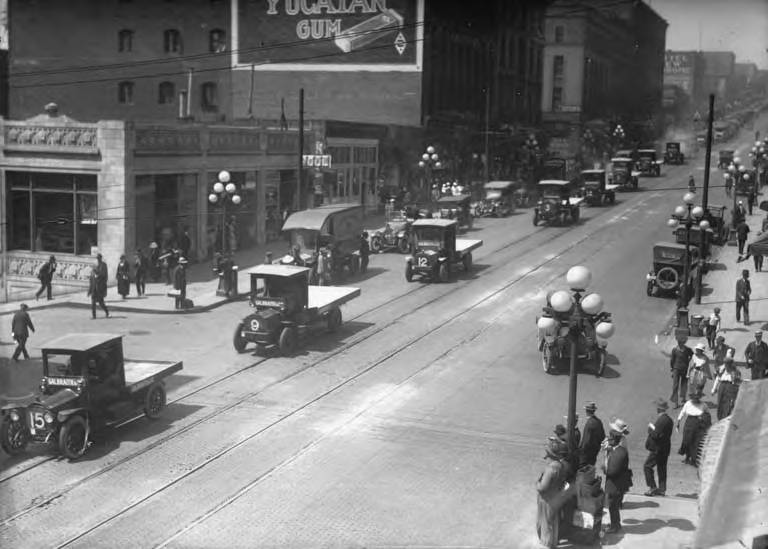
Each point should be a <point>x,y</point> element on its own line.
<point>46,271</point>
<point>591,439</point>
<point>617,475</point>
<point>97,284</point>
<point>180,278</point>
<point>21,324</point>
<point>758,352</point>
<point>679,359</point>
<point>660,438</point>
<point>743,289</point>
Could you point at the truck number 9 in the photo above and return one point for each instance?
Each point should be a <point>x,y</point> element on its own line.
<point>422,262</point>
<point>254,325</point>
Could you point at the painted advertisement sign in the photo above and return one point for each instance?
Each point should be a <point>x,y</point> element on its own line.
<point>373,35</point>
<point>677,63</point>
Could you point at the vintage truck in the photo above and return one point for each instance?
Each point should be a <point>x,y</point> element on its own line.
<point>286,307</point>
<point>437,250</point>
<point>87,385</point>
<point>337,227</point>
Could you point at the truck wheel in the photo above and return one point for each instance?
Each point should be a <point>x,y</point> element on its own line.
<point>13,436</point>
<point>73,437</point>
<point>547,360</point>
<point>403,246</point>
<point>154,401</point>
<point>333,320</point>
<point>238,341</point>
<point>408,272</point>
<point>376,244</point>
<point>287,341</point>
<point>649,289</point>
<point>467,260</point>
<point>442,272</point>
<point>535,218</point>
<point>602,358</point>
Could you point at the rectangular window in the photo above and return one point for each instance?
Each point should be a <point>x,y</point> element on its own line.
<point>558,63</point>
<point>557,98</point>
<point>47,214</point>
<point>340,155</point>
<point>559,33</point>
<point>209,97</point>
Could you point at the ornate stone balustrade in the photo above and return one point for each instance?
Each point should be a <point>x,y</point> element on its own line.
<point>64,139</point>
<point>235,140</point>
<point>163,141</point>
<point>28,265</point>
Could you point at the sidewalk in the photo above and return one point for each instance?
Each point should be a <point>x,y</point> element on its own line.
<point>202,283</point>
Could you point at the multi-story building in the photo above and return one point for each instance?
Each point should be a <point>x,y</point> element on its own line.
<point>718,75</point>
<point>601,65</point>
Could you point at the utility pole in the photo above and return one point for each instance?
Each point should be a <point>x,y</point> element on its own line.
<point>705,196</point>
<point>486,169</point>
<point>300,175</point>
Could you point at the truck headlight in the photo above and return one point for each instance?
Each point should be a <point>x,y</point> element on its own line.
<point>15,415</point>
<point>48,417</point>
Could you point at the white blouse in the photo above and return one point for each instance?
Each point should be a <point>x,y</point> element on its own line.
<point>691,409</point>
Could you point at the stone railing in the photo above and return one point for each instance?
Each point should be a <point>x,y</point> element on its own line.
<point>28,265</point>
<point>79,139</point>
<point>166,140</point>
<point>235,140</point>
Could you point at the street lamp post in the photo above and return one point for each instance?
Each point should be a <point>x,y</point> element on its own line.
<point>223,193</point>
<point>430,161</point>
<point>573,310</point>
<point>689,215</point>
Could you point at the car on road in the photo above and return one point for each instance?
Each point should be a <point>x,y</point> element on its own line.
<point>394,235</point>
<point>673,153</point>
<point>87,386</point>
<point>455,207</point>
<point>647,162</point>
<point>558,203</point>
<point>667,274</point>
<point>555,345</point>
<point>725,158</point>
<point>719,225</point>
<point>286,307</point>
<point>499,199</point>
<point>623,173</point>
<point>437,250</point>
<point>595,189</point>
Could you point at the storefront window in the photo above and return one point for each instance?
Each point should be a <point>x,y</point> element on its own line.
<point>42,212</point>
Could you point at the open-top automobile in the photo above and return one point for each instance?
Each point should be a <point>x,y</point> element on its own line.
<point>558,203</point>
<point>623,173</point>
<point>596,189</point>
<point>647,162</point>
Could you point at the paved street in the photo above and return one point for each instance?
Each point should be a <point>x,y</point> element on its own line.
<point>421,422</point>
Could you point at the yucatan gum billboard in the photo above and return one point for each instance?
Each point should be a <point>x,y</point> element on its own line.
<point>335,35</point>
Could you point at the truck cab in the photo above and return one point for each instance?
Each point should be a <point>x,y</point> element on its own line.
<point>436,248</point>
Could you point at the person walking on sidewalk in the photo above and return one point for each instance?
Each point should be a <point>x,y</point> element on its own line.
<point>180,282</point>
<point>365,251</point>
<point>618,477</point>
<point>140,265</point>
<point>679,360</point>
<point>698,369</point>
<point>592,438</point>
<point>21,324</point>
<point>697,422</point>
<point>713,326</point>
<point>550,486</point>
<point>742,231</point>
<point>751,198</point>
<point>743,293</point>
<point>726,385</point>
<point>756,355</point>
<point>123,276</point>
<point>659,445</point>
<point>721,350</point>
<point>97,287</point>
<point>45,275</point>
<point>739,214</point>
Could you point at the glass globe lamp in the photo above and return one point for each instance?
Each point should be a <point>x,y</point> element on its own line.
<point>578,278</point>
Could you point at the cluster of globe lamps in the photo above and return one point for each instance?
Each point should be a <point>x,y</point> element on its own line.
<point>224,188</point>
<point>689,213</point>
<point>430,157</point>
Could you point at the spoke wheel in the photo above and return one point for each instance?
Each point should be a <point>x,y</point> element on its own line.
<point>333,320</point>
<point>288,341</point>
<point>442,272</point>
<point>238,341</point>
<point>73,437</point>
<point>14,437</point>
<point>408,272</point>
<point>154,401</point>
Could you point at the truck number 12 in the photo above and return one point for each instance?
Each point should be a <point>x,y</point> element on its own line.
<point>422,262</point>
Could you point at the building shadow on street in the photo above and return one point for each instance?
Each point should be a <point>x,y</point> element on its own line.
<point>477,268</point>
<point>177,380</point>
<point>648,526</point>
<point>645,504</point>
<point>317,340</point>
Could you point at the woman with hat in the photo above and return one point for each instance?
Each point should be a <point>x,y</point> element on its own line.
<point>154,261</point>
<point>727,386</point>
<point>697,422</point>
<point>698,369</point>
<point>122,273</point>
<point>180,282</point>
<point>618,476</point>
<point>550,488</point>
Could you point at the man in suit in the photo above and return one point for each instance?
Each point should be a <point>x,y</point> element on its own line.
<point>592,437</point>
<point>97,287</point>
<point>679,360</point>
<point>618,478</point>
<point>180,282</point>
<point>658,444</point>
<point>756,354</point>
<point>743,292</point>
<point>20,326</point>
<point>46,278</point>
<point>742,231</point>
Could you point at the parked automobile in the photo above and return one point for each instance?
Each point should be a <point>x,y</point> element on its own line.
<point>437,250</point>
<point>627,153</point>
<point>336,227</point>
<point>499,199</point>
<point>286,308</point>
<point>595,189</point>
<point>718,224</point>
<point>673,153</point>
<point>701,139</point>
<point>395,235</point>
<point>702,241</point>
<point>745,183</point>
<point>555,345</point>
<point>455,207</point>
<point>557,203</point>
<point>666,277</point>
<point>623,173</point>
<point>725,158</point>
<point>523,197</point>
<point>87,386</point>
<point>647,162</point>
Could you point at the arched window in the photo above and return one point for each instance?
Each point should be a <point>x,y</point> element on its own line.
<point>217,42</point>
<point>125,40</point>
<point>125,93</point>
<point>166,93</point>
<point>172,41</point>
<point>209,96</point>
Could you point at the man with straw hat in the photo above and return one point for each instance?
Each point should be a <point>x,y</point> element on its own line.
<point>618,476</point>
<point>659,445</point>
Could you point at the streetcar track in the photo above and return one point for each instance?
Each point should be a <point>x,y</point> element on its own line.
<point>343,348</point>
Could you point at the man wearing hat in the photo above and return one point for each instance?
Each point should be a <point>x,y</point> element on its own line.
<point>618,477</point>
<point>698,368</point>
<point>743,292</point>
<point>97,286</point>
<point>721,350</point>
<point>756,354</point>
<point>592,438</point>
<point>659,445</point>
<point>679,360</point>
<point>180,282</point>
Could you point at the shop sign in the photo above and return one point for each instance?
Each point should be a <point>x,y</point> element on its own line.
<point>677,63</point>
<point>317,160</point>
<point>344,34</point>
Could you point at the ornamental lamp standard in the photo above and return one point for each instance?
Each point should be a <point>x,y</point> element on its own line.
<point>573,310</point>
<point>688,214</point>
<point>223,193</point>
<point>430,161</point>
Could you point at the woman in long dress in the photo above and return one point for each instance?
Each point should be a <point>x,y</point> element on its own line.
<point>697,422</point>
<point>727,387</point>
<point>123,277</point>
<point>550,487</point>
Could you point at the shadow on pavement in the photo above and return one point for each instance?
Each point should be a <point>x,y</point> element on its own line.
<point>640,504</point>
<point>177,380</point>
<point>687,496</point>
<point>648,526</point>
<point>717,267</point>
<point>370,272</point>
<point>476,269</point>
<point>316,339</point>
